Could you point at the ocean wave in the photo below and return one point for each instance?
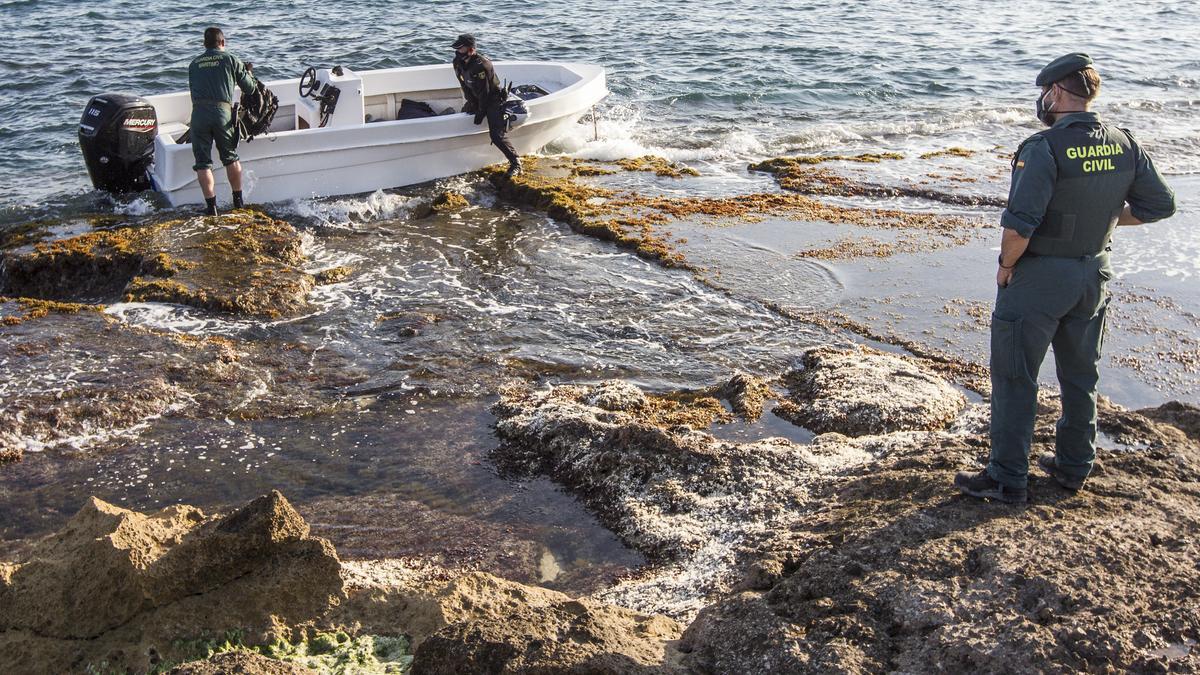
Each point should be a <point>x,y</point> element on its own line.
<point>347,212</point>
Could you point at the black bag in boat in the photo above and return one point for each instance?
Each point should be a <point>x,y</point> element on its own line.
<point>411,110</point>
<point>528,92</point>
<point>256,111</point>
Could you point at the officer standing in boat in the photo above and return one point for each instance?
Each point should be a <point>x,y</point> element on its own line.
<point>485,97</point>
<point>211,78</point>
<point>1071,185</point>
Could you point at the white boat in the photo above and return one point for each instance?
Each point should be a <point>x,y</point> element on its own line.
<point>362,147</point>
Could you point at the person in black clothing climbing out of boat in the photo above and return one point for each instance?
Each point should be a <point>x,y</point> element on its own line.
<point>485,97</point>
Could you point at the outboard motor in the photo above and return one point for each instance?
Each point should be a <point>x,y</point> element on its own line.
<point>116,135</point>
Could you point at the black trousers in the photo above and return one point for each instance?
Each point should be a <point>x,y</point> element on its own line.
<point>498,130</point>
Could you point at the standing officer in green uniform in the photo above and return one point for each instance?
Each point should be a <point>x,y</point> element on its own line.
<point>211,78</point>
<point>485,97</point>
<point>1071,185</point>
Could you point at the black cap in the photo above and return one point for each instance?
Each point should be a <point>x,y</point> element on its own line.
<point>1062,67</point>
<point>464,40</point>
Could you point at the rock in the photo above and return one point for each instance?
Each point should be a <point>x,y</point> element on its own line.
<point>1182,416</point>
<point>84,379</point>
<point>118,591</point>
<point>408,324</point>
<point>449,202</point>
<point>333,275</point>
<point>694,505</point>
<point>617,396</point>
<point>240,663</point>
<point>118,587</point>
<point>857,555</point>
<point>493,626</point>
<point>747,395</point>
<point>445,202</point>
<point>860,391</point>
<point>895,572</point>
<point>657,165</point>
<point>245,263</point>
<point>740,630</point>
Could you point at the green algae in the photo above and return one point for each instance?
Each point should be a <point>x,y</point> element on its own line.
<point>24,234</point>
<point>949,152</point>
<point>333,275</point>
<point>448,202</point>
<point>36,308</point>
<point>336,652</point>
<point>243,263</point>
<point>798,174</point>
<point>779,164</point>
<point>657,165</point>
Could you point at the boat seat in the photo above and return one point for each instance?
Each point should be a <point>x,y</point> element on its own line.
<point>172,130</point>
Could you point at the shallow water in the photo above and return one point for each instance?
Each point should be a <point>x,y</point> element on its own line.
<point>441,311</point>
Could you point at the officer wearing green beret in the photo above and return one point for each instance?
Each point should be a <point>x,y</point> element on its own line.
<point>211,78</point>
<point>484,96</point>
<point>1072,184</point>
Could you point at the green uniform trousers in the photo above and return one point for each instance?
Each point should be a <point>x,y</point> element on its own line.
<point>213,123</point>
<point>1050,301</point>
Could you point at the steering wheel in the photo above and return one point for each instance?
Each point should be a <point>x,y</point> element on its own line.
<point>308,82</point>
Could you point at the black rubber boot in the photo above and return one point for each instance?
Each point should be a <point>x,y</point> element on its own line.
<point>237,200</point>
<point>210,206</point>
<point>983,486</point>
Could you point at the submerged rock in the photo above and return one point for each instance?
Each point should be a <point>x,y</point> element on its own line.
<point>79,378</point>
<point>659,166</point>
<point>443,203</point>
<point>800,174</point>
<point>243,263</point>
<point>862,391</point>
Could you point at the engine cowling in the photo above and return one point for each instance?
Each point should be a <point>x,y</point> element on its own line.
<point>116,135</point>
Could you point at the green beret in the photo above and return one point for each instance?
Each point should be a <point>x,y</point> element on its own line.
<point>1062,67</point>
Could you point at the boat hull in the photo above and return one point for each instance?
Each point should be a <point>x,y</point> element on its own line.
<point>368,157</point>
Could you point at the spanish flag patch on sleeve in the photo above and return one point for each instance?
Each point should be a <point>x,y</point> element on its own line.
<point>1020,164</point>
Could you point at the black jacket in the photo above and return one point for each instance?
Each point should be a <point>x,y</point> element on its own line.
<point>480,86</point>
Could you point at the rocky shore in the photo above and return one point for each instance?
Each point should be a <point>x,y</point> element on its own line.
<point>848,552</point>
<point>119,591</point>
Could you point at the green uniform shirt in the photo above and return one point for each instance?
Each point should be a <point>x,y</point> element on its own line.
<point>212,75</point>
<point>1036,171</point>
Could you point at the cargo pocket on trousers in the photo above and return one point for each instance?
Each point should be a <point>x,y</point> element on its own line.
<point>1008,358</point>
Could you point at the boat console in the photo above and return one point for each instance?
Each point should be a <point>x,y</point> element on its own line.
<point>330,97</point>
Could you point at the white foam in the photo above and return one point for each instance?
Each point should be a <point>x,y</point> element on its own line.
<point>138,207</point>
<point>346,212</point>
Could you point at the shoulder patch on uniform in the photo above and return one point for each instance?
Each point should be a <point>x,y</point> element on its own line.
<point>1020,164</point>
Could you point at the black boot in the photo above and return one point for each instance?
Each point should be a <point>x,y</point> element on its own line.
<point>237,200</point>
<point>514,168</point>
<point>210,206</point>
<point>983,486</point>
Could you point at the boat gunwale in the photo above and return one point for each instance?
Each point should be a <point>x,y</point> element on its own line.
<point>585,79</point>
